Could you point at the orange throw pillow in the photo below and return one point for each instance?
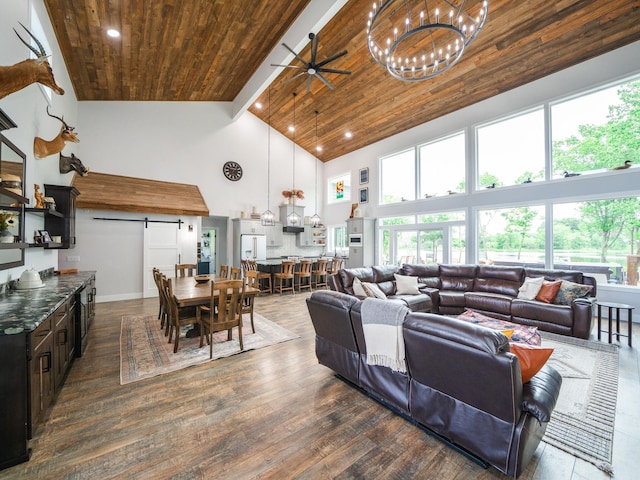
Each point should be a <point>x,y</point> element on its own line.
<point>548,291</point>
<point>532,358</point>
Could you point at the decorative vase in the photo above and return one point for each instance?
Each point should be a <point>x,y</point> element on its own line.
<point>6,236</point>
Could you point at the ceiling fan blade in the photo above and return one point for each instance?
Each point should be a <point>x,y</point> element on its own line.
<point>314,47</point>
<point>331,58</point>
<point>289,66</point>
<point>324,80</point>
<point>333,70</point>
<point>309,83</point>
<point>296,55</point>
<point>294,77</point>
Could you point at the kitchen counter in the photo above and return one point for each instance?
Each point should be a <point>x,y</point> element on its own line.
<point>25,310</point>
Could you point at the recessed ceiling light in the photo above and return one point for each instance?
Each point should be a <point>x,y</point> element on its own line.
<point>258,105</point>
<point>113,33</point>
<point>319,149</point>
<point>348,134</point>
<point>291,129</point>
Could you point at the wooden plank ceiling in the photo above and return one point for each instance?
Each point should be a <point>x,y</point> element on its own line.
<point>206,50</point>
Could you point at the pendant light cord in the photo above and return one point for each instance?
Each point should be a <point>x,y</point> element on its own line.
<point>269,151</point>
<point>294,142</point>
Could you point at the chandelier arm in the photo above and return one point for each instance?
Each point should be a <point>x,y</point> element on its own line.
<point>331,59</point>
<point>324,80</point>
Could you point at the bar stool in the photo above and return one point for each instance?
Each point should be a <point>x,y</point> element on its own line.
<point>304,275</point>
<point>319,274</point>
<point>284,276</point>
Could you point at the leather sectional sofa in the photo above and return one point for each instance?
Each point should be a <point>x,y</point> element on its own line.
<point>488,289</point>
<point>462,383</point>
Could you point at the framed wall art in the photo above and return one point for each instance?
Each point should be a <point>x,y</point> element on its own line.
<point>364,176</point>
<point>364,195</point>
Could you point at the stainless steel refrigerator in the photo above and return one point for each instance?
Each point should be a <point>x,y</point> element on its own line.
<point>253,247</point>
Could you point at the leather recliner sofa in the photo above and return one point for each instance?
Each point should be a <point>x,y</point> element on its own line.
<point>488,289</point>
<point>462,382</point>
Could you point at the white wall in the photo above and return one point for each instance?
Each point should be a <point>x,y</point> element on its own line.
<point>27,109</point>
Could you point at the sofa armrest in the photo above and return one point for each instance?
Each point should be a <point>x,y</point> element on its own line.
<point>540,394</point>
<point>582,315</point>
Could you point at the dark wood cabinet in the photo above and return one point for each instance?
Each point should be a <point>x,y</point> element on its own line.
<point>65,226</point>
<point>41,370</point>
<point>64,340</point>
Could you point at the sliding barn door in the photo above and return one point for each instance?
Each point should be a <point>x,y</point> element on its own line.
<point>161,250</point>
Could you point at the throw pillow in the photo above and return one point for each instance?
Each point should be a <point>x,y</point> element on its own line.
<point>507,333</point>
<point>569,291</point>
<point>530,288</point>
<point>358,291</point>
<point>548,291</point>
<point>373,290</point>
<point>406,285</point>
<point>531,358</point>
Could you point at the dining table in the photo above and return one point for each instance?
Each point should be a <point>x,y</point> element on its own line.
<point>188,292</point>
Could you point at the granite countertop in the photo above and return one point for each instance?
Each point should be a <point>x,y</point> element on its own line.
<point>25,310</point>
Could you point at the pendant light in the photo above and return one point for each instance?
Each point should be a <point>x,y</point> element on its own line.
<point>293,219</point>
<point>268,218</point>
<point>315,219</point>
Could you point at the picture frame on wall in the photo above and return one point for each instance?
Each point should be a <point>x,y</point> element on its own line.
<point>364,195</point>
<point>364,175</point>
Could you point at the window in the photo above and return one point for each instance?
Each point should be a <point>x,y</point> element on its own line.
<point>442,166</point>
<point>339,189</point>
<point>600,238</point>
<point>512,236</point>
<point>398,177</point>
<point>511,151</point>
<point>596,132</point>
<point>441,217</point>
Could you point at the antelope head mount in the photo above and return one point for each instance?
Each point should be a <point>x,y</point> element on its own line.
<point>32,70</point>
<point>67,164</point>
<point>43,148</point>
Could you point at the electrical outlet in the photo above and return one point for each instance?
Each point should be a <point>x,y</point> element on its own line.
<point>73,258</point>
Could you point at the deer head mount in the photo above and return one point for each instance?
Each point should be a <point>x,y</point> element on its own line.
<point>29,71</point>
<point>67,164</point>
<point>43,148</point>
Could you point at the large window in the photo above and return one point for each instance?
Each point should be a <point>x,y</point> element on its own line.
<point>339,188</point>
<point>511,151</point>
<point>442,166</point>
<point>398,177</point>
<point>599,237</point>
<point>596,132</point>
<point>512,236</point>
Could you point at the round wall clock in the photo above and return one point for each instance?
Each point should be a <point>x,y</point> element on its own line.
<point>233,171</point>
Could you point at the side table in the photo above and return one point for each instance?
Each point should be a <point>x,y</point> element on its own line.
<point>617,307</point>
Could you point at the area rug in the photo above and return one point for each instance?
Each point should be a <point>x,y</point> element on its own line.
<point>583,420</point>
<point>145,351</point>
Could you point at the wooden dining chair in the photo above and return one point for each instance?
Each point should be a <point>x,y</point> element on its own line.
<point>319,273</point>
<point>223,313</point>
<point>235,274</point>
<point>264,278</point>
<point>224,271</point>
<point>303,275</point>
<point>285,277</point>
<point>246,265</point>
<point>186,269</point>
<point>251,279</point>
<point>178,317</point>
<point>336,264</point>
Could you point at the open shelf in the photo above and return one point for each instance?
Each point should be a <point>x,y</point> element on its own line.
<point>53,213</point>
<point>45,245</point>
<point>14,245</point>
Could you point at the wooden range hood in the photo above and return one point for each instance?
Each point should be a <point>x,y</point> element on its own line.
<point>102,191</point>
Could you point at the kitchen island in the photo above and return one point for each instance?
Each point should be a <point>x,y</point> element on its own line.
<point>41,331</point>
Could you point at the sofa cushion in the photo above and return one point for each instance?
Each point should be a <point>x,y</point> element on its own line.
<point>569,291</point>
<point>532,358</point>
<point>530,288</point>
<point>499,279</point>
<point>548,291</point>
<point>542,312</point>
<point>416,303</point>
<point>348,275</point>
<point>384,273</point>
<point>428,274</point>
<point>571,275</point>
<point>449,298</point>
<point>458,277</point>
<point>406,285</point>
<point>488,302</point>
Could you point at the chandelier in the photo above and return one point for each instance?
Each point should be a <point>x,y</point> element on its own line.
<point>419,39</point>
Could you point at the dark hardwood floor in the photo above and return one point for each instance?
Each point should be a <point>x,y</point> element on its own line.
<point>272,413</point>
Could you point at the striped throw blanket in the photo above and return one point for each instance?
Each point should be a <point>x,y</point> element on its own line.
<point>382,326</point>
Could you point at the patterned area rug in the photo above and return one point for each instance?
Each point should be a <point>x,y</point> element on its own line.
<point>145,351</point>
<point>583,420</point>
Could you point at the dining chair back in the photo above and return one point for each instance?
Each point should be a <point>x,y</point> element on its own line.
<point>236,273</point>
<point>224,271</point>
<point>162,308</point>
<point>303,275</point>
<point>186,269</point>
<point>224,312</point>
<point>251,280</point>
<point>178,317</point>
<point>284,279</point>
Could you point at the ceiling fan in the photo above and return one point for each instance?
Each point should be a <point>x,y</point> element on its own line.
<point>311,68</point>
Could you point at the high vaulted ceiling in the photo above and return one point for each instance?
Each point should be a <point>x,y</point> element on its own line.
<point>221,50</point>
